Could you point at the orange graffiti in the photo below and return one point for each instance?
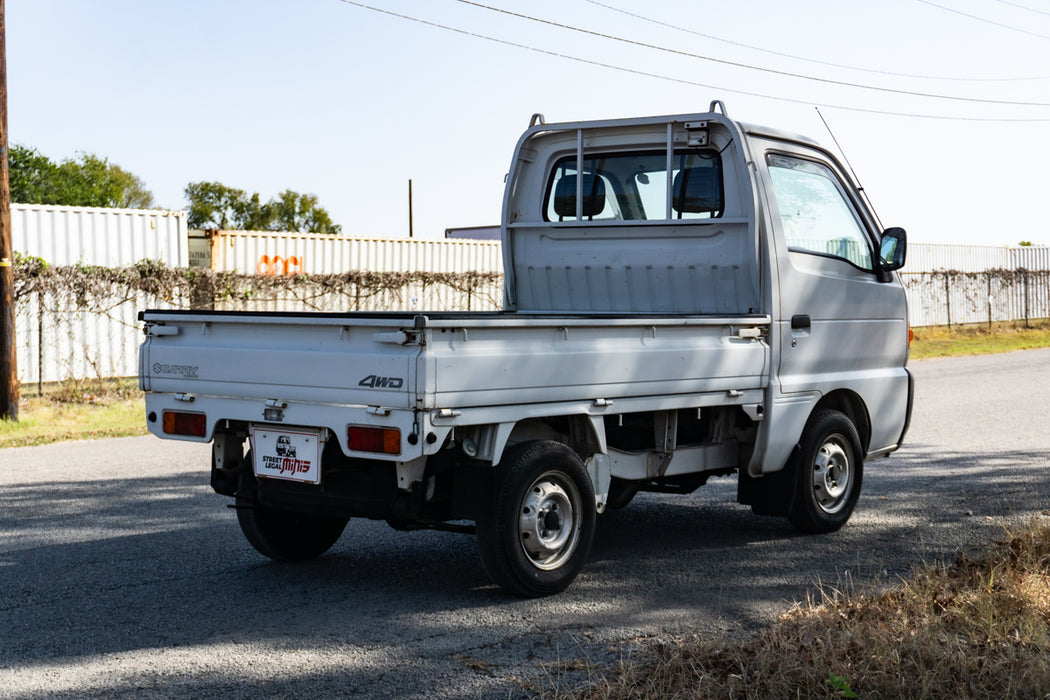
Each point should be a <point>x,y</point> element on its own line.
<point>292,265</point>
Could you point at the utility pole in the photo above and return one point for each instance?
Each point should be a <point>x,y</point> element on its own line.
<point>409,200</point>
<point>8,353</point>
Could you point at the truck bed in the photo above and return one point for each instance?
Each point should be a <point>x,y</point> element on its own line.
<point>448,360</point>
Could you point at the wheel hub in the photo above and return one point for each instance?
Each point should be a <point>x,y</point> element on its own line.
<point>832,475</point>
<point>547,525</point>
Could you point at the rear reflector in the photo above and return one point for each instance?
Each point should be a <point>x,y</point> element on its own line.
<point>385,441</point>
<point>178,423</point>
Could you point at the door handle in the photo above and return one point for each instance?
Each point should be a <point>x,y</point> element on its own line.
<point>800,322</point>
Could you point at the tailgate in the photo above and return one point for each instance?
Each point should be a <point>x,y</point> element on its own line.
<point>307,357</point>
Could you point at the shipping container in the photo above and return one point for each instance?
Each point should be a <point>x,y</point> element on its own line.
<point>58,339</point>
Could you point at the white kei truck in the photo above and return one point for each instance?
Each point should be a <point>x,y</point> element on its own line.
<point>684,297</point>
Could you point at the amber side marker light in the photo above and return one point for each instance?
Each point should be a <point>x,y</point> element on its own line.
<point>385,441</point>
<point>179,423</point>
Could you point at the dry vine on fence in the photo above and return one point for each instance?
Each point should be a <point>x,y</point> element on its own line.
<point>997,294</point>
<point>91,287</point>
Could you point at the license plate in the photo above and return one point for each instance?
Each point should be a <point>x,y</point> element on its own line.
<point>294,455</point>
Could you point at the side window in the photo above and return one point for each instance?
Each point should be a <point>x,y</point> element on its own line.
<point>815,214</point>
<point>633,187</point>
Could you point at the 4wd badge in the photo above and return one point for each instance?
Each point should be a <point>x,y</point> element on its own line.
<point>376,382</point>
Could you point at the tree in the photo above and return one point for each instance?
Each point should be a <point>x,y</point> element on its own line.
<point>34,177</point>
<point>88,181</point>
<point>300,212</point>
<point>215,205</point>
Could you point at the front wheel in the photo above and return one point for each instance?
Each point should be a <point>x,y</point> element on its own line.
<point>536,538</point>
<point>828,470</point>
<point>284,535</point>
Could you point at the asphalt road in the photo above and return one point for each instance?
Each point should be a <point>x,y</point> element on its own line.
<point>123,575</point>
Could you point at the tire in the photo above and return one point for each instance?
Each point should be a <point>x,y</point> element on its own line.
<point>537,535</point>
<point>284,535</point>
<point>828,469</point>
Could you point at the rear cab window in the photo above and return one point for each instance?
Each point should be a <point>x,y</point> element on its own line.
<point>635,187</point>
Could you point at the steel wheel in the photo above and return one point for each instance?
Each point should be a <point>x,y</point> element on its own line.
<point>832,474</point>
<point>828,469</point>
<point>537,534</point>
<point>549,521</point>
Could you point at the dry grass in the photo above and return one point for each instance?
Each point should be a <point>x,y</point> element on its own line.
<point>978,628</point>
<point>76,411</point>
<point>979,339</point>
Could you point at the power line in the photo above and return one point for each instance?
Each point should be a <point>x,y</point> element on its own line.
<point>984,19</point>
<point>682,81</point>
<point>1022,7</point>
<point>773,71</point>
<point>811,60</point>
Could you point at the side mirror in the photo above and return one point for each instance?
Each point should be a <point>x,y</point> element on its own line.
<point>893,249</point>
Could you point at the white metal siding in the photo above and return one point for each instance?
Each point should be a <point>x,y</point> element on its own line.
<point>926,257</point>
<point>961,284</point>
<point>266,252</point>
<point>106,237</point>
<point>244,251</point>
<point>56,342</point>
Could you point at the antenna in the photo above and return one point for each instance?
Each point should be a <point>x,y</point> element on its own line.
<point>853,173</point>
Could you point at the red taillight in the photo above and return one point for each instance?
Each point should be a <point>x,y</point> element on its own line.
<point>191,424</point>
<point>385,441</point>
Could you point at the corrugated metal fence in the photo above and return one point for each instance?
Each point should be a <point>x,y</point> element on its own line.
<point>58,340</point>
<point>269,253</point>
<point>957,284</point>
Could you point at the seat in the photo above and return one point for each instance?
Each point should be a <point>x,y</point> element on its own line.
<point>565,196</point>
<point>697,191</point>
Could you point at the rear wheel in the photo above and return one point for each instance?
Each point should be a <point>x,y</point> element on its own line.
<point>828,473</point>
<point>538,534</point>
<point>284,535</point>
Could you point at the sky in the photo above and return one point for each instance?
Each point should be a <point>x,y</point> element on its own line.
<point>942,107</point>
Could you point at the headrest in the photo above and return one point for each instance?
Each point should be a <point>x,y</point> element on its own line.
<point>593,196</point>
<point>698,191</point>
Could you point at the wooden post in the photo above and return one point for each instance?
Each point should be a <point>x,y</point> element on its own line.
<point>989,298</point>
<point>948,297</point>
<point>9,394</point>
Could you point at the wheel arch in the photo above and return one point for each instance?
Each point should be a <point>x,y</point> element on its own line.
<point>852,405</point>
<point>582,433</point>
